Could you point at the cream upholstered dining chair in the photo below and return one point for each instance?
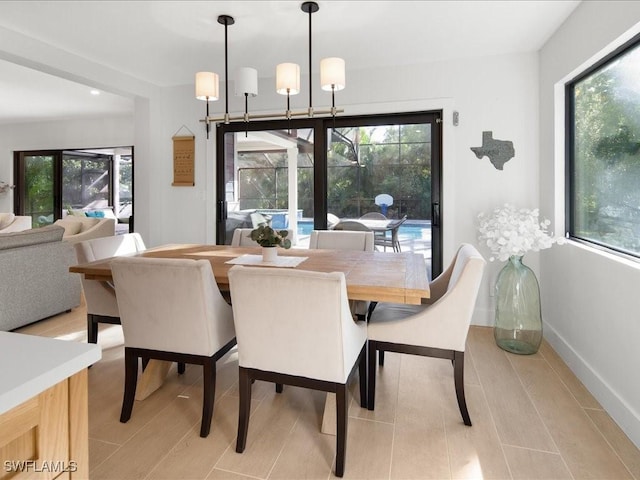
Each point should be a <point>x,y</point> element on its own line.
<point>172,309</point>
<point>435,330</point>
<point>341,240</point>
<point>345,240</point>
<point>296,338</point>
<point>102,306</point>
<point>242,237</point>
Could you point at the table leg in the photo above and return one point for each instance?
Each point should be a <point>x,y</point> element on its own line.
<point>152,378</point>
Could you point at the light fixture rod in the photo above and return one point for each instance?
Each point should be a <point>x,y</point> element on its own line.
<point>262,116</point>
<point>310,8</point>
<point>226,20</point>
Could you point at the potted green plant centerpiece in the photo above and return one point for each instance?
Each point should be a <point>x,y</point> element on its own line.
<point>269,239</point>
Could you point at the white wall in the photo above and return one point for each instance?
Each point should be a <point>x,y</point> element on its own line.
<point>499,94</point>
<point>104,132</point>
<point>590,299</point>
<point>495,93</point>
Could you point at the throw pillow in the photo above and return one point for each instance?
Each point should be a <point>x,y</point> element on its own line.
<point>6,219</point>
<point>95,214</point>
<point>77,212</point>
<point>71,227</point>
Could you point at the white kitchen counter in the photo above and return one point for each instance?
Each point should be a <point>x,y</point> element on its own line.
<point>30,364</point>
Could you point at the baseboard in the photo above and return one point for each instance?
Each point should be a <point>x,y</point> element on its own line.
<point>616,407</point>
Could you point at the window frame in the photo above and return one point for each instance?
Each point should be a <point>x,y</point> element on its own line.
<point>320,125</point>
<point>58,181</point>
<point>569,149</point>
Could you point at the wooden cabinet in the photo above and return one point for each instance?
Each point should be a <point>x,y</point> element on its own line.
<point>46,435</point>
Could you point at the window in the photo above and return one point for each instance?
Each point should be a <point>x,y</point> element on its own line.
<point>345,168</point>
<point>50,183</point>
<point>603,152</point>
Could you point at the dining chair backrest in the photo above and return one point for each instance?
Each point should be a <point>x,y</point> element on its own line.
<point>106,247</point>
<point>100,296</point>
<point>171,305</point>
<point>465,254</point>
<point>341,240</point>
<point>294,332</point>
<point>242,237</point>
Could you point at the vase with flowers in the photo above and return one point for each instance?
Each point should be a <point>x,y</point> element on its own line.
<point>270,239</point>
<point>509,233</point>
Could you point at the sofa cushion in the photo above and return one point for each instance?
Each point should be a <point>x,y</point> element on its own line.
<point>71,226</point>
<point>50,233</point>
<point>6,219</point>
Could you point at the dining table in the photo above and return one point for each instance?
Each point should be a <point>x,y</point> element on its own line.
<point>370,276</point>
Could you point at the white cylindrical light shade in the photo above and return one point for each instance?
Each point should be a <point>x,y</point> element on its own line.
<point>332,73</point>
<point>288,78</point>
<point>207,86</point>
<point>247,81</point>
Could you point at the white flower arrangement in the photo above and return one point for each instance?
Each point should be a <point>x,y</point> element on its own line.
<point>510,231</point>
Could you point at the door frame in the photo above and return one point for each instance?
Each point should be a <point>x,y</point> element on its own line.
<point>320,125</point>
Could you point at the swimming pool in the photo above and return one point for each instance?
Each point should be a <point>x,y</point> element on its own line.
<point>410,229</point>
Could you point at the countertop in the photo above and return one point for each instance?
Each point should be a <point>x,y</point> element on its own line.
<point>30,364</point>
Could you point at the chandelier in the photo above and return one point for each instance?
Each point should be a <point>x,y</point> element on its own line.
<point>332,78</point>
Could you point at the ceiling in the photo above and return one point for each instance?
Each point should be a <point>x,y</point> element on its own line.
<point>165,42</point>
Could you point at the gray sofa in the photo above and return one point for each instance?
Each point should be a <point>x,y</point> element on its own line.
<point>35,282</point>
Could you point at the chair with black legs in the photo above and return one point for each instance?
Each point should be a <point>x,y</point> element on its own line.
<point>436,330</point>
<point>296,338</point>
<point>102,306</point>
<point>172,309</point>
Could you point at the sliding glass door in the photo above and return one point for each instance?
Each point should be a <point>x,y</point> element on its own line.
<point>51,183</point>
<point>268,172</point>
<point>344,168</point>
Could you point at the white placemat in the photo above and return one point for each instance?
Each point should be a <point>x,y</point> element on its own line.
<point>256,260</point>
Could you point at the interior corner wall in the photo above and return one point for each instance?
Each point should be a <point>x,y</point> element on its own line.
<point>85,133</point>
<point>590,299</point>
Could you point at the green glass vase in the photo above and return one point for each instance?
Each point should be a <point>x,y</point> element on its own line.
<point>518,327</point>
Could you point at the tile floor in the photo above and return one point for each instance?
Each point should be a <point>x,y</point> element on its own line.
<point>532,419</point>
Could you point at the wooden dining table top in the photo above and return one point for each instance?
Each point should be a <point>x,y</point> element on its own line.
<point>374,276</point>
